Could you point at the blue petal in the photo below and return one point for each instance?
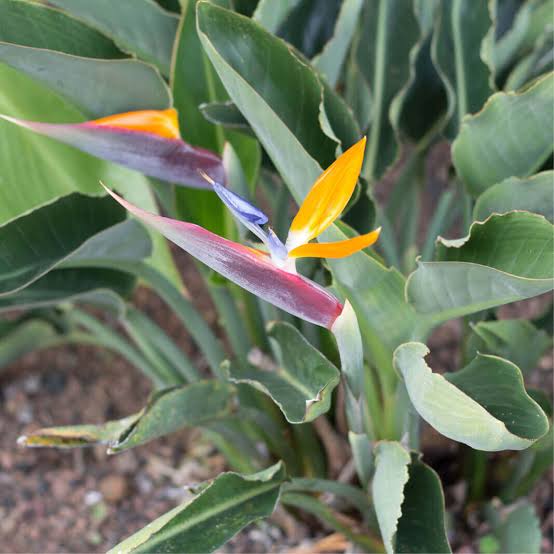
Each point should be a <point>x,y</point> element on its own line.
<point>240,207</point>
<point>277,249</point>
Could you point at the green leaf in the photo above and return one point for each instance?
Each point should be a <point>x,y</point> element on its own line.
<point>362,454</point>
<point>271,14</point>
<point>96,87</point>
<point>517,340</point>
<point>37,242</point>
<point>517,250</point>
<point>330,60</point>
<point>384,59</point>
<point>317,16</point>
<point>532,194</point>
<point>24,336</point>
<point>167,411</point>
<point>539,61</point>
<point>422,525</point>
<point>245,56</point>
<point>504,46</point>
<point>408,501</point>
<point>423,105</point>
<point>519,530</point>
<point>302,381</point>
<point>461,28</point>
<point>30,24</point>
<point>484,405</point>
<point>140,27</point>
<point>101,287</point>
<point>510,136</point>
<point>387,489</point>
<point>211,518</point>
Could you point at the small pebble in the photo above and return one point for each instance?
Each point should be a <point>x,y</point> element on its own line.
<point>114,488</point>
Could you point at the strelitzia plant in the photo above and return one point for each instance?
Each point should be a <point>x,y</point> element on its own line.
<point>218,104</point>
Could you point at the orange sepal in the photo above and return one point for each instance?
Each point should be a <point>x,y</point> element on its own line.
<point>163,123</point>
<point>339,249</point>
<point>328,196</point>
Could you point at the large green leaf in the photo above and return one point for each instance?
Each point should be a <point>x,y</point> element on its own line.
<point>30,24</point>
<point>137,26</point>
<point>484,405</point>
<point>408,500</point>
<point>96,87</point>
<point>384,59</point>
<point>38,241</point>
<point>221,510</point>
<point>167,411</point>
<point>532,194</point>
<point>245,56</point>
<point>461,28</point>
<point>302,381</point>
<point>330,60</point>
<point>506,258</point>
<point>510,136</point>
<point>272,112</point>
<point>517,340</point>
<point>422,527</point>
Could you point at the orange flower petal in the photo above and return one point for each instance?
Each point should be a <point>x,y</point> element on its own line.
<point>338,249</point>
<point>328,196</point>
<point>158,122</point>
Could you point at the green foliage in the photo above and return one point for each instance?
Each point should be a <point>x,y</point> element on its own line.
<point>280,89</point>
<point>218,512</point>
<point>484,405</point>
<point>303,380</point>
